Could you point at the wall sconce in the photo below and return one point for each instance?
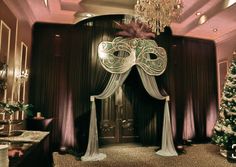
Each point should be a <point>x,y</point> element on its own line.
<point>3,71</point>
<point>3,76</point>
<point>23,77</point>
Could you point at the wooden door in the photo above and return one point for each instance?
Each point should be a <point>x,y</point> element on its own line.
<point>117,120</point>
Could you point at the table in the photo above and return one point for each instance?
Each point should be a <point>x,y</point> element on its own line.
<point>39,124</point>
<point>35,150</point>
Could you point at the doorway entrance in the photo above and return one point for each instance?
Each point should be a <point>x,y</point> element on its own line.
<point>117,120</point>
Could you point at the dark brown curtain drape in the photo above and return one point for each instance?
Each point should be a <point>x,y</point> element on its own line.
<point>87,35</point>
<point>190,80</point>
<point>49,88</point>
<point>148,111</point>
<point>65,71</point>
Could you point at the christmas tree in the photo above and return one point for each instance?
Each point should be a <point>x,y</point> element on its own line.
<point>224,132</point>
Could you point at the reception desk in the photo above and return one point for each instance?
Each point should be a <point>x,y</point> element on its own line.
<point>31,149</point>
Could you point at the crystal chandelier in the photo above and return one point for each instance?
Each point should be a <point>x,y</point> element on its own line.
<point>157,14</point>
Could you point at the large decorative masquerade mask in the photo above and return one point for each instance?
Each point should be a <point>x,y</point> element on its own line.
<point>121,54</point>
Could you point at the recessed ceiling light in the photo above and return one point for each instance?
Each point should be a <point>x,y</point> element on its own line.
<point>214,29</point>
<point>57,35</point>
<point>202,19</point>
<point>198,13</point>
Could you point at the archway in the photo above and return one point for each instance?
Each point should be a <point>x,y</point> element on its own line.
<point>139,118</point>
<point>132,52</point>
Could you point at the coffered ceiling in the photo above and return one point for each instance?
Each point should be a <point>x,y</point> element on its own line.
<point>207,19</point>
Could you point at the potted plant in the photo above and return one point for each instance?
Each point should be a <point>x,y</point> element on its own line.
<point>10,108</point>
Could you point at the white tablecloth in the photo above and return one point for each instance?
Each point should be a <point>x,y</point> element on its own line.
<point>27,136</point>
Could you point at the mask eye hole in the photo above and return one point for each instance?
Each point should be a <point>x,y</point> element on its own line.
<point>121,53</point>
<point>152,56</point>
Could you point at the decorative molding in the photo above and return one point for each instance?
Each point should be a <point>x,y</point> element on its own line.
<point>128,124</point>
<point>222,71</point>
<point>23,57</point>
<point>21,10</point>
<point>226,37</point>
<point>15,57</point>
<point>106,126</point>
<point>3,24</point>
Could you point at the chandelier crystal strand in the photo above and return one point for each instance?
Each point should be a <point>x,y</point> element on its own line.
<point>157,14</point>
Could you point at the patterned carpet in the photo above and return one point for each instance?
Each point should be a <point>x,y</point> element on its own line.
<point>129,155</point>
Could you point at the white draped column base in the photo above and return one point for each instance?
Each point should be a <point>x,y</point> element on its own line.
<point>167,154</point>
<point>94,157</point>
<point>92,152</point>
<point>167,146</point>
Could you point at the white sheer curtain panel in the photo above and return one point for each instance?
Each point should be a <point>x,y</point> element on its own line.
<point>92,152</point>
<point>149,82</point>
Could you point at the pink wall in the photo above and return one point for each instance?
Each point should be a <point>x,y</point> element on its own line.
<point>20,31</point>
<point>224,51</point>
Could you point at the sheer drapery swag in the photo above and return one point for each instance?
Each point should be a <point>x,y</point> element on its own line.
<point>131,47</point>
<point>150,85</point>
<point>92,152</point>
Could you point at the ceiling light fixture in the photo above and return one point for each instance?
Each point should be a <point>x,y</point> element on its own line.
<point>229,3</point>
<point>157,14</point>
<point>202,19</point>
<point>198,13</point>
<point>45,3</point>
<point>214,29</point>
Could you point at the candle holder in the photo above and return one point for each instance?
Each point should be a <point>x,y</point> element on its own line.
<point>10,132</point>
<point>8,121</point>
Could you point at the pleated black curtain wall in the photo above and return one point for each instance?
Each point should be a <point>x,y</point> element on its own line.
<point>148,111</point>
<point>65,71</point>
<point>48,80</point>
<point>94,77</point>
<point>191,81</point>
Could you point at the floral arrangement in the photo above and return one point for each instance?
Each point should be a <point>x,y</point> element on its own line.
<point>10,108</point>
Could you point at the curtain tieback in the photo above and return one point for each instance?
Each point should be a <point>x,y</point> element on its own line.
<point>167,98</point>
<point>92,98</point>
